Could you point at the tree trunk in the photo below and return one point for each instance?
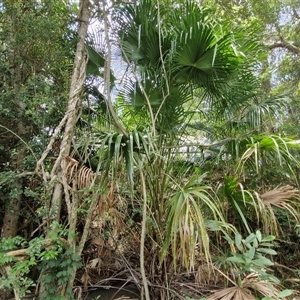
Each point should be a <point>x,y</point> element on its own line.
<point>61,188</point>
<point>72,113</point>
<point>12,210</point>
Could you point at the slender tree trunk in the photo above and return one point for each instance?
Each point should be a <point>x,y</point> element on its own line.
<point>74,103</point>
<point>58,176</point>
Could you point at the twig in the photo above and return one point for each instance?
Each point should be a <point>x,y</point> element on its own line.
<point>52,140</point>
<point>24,142</point>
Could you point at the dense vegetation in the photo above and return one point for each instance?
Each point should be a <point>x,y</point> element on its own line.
<point>150,142</point>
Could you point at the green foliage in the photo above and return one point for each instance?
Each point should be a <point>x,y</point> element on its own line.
<point>17,275</point>
<point>186,224</point>
<point>190,49</point>
<point>57,270</point>
<point>51,257</point>
<point>251,256</point>
<point>9,244</point>
<point>182,63</point>
<point>280,295</point>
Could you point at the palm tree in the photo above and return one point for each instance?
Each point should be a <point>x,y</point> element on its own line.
<point>179,58</point>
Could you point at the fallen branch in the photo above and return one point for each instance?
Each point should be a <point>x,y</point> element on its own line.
<point>47,243</point>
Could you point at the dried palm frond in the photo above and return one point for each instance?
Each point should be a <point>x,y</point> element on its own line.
<point>250,287</point>
<point>70,167</point>
<point>281,197</point>
<point>232,293</point>
<point>85,177</point>
<point>73,171</point>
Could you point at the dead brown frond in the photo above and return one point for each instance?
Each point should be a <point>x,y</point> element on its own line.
<point>75,172</point>
<point>250,288</point>
<point>279,196</point>
<point>232,293</point>
<point>283,198</point>
<point>70,167</point>
<point>85,177</point>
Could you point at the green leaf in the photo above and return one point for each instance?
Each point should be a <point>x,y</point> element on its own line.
<point>262,261</point>
<point>267,244</point>
<point>238,241</point>
<point>96,58</point>
<point>255,243</point>
<point>267,251</point>
<point>236,259</point>
<point>250,253</point>
<point>258,235</point>
<point>269,238</point>
<point>250,238</point>
<point>285,293</point>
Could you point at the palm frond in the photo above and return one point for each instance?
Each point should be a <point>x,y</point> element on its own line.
<point>283,198</point>
<point>139,33</point>
<point>257,110</point>
<point>240,200</point>
<point>249,289</point>
<point>186,225</point>
<point>278,195</point>
<point>249,205</point>
<point>81,174</point>
<point>271,149</point>
<point>183,47</point>
<point>201,56</point>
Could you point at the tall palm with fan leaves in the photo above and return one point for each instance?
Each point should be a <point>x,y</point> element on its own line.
<point>180,58</point>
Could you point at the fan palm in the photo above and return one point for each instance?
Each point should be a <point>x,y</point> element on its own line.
<point>174,53</point>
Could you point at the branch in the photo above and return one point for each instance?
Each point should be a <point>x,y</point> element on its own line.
<point>23,141</point>
<point>285,44</point>
<point>47,243</point>
<point>295,13</point>
<point>20,175</point>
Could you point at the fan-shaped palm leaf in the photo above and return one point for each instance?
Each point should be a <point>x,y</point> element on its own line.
<point>173,48</point>
<point>249,289</point>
